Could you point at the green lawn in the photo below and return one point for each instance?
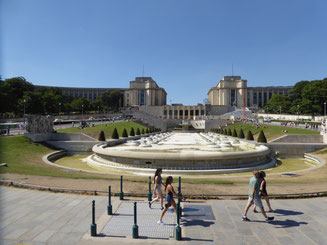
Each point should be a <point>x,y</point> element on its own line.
<point>271,131</point>
<point>107,129</point>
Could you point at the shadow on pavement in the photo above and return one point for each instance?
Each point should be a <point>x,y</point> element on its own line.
<point>287,223</point>
<point>198,240</point>
<point>198,222</point>
<point>286,212</point>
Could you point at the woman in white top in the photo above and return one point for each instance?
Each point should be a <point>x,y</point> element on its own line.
<point>157,188</point>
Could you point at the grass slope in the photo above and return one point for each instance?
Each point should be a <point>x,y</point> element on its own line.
<point>271,131</point>
<point>107,129</point>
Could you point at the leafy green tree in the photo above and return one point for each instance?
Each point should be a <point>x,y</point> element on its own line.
<point>111,98</point>
<point>138,131</point>
<point>11,90</point>
<point>80,104</point>
<point>33,103</point>
<point>96,105</point>
<point>241,134</point>
<point>249,135</point>
<point>262,137</point>
<point>132,132</point>
<point>124,134</point>
<point>115,134</point>
<point>229,132</point>
<point>278,103</point>
<point>102,137</point>
<point>234,134</point>
<point>143,131</point>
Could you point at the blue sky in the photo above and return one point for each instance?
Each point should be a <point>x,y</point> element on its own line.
<point>186,46</point>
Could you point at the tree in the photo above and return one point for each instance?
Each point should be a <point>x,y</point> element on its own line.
<point>132,132</point>
<point>143,131</point>
<point>249,135</point>
<point>147,130</point>
<point>278,103</point>
<point>111,98</point>
<point>138,131</point>
<point>102,137</point>
<point>80,104</point>
<point>229,132</point>
<point>241,134</point>
<point>124,134</point>
<point>11,90</point>
<point>234,134</point>
<point>115,134</point>
<point>262,137</point>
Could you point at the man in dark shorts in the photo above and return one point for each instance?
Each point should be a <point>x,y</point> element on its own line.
<point>254,197</point>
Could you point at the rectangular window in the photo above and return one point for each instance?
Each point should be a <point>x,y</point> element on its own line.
<point>142,97</point>
<point>76,95</point>
<point>202,112</point>
<point>255,101</point>
<point>270,94</point>
<point>233,101</point>
<point>165,112</point>
<point>80,94</point>
<point>196,112</point>
<point>192,113</point>
<point>181,112</point>
<point>248,100</point>
<point>186,113</point>
<point>260,99</point>
<point>90,96</point>
<point>170,112</point>
<point>264,98</point>
<point>175,112</point>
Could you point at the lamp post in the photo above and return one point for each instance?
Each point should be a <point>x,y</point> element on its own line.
<point>280,112</point>
<point>298,114</point>
<point>98,109</point>
<point>59,113</point>
<point>82,111</point>
<point>324,109</point>
<point>24,110</point>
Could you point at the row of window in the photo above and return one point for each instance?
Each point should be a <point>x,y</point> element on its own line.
<point>186,112</point>
<point>258,100</point>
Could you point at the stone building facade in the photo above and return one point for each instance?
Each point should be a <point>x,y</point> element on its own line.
<point>142,91</point>
<point>233,91</point>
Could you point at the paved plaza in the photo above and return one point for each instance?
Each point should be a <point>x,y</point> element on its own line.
<point>40,217</point>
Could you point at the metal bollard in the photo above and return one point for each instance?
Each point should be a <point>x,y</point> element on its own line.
<point>135,227</point>
<point>93,225</point>
<point>121,193</point>
<point>149,193</point>
<point>109,207</point>
<point>178,234</point>
<point>179,189</point>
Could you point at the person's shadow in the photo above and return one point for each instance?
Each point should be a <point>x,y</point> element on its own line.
<point>286,212</point>
<point>198,222</point>
<point>287,223</point>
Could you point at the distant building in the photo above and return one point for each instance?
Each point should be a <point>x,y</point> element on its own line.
<point>233,91</point>
<point>142,91</point>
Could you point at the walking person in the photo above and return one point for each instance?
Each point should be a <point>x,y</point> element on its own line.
<point>157,188</point>
<point>254,198</point>
<point>170,193</point>
<point>263,191</point>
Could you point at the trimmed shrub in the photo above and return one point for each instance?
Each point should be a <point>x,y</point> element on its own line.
<point>132,132</point>
<point>125,135</point>
<point>143,131</point>
<point>102,137</point>
<point>249,135</point>
<point>138,131</point>
<point>115,134</point>
<point>225,131</point>
<point>234,133</point>
<point>241,134</point>
<point>147,130</point>
<point>262,137</point>
<point>229,132</point>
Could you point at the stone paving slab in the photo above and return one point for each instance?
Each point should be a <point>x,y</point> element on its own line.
<point>40,217</point>
<point>122,221</point>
